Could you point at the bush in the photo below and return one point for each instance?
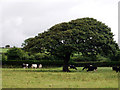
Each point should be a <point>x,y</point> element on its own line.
<point>49,63</point>
<point>4,57</point>
<point>19,63</point>
<point>15,54</point>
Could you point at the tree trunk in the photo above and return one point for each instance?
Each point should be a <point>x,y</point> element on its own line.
<point>65,64</point>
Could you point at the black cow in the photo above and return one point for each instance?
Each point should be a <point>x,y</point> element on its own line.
<point>115,68</point>
<point>90,68</point>
<point>73,67</point>
<point>86,67</point>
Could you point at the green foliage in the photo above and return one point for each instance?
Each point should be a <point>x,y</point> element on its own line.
<point>102,58</point>
<point>4,57</point>
<point>116,57</point>
<point>85,35</point>
<point>18,63</point>
<point>31,57</point>
<point>15,54</point>
<point>57,63</point>
<point>41,56</point>
<point>3,50</point>
<point>25,56</point>
<point>80,58</point>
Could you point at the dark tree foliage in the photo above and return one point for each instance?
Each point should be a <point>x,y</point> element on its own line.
<point>85,35</point>
<point>15,54</point>
<point>7,46</point>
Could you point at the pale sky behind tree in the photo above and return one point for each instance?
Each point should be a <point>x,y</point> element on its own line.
<point>22,19</point>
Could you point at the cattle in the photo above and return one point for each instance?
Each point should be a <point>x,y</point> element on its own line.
<point>90,68</point>
<point>25,65</point>
<point>40,66</point>
<point>36,66</point>
<point>86,67</point>
<point>115,68</point>
<point>73,67</point>
<point>31,65</point>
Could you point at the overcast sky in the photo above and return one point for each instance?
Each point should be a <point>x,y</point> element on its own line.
<point>22,19</point>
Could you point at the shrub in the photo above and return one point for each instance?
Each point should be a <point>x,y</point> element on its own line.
<point>4,57</point>
<point>15,54</point>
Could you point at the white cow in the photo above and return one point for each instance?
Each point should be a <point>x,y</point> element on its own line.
<point>25,65</point>
<point>40,65</point>
<point>34,66</point>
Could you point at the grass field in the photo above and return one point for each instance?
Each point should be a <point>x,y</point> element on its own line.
<point>3,50</point>
<point>55,78</point>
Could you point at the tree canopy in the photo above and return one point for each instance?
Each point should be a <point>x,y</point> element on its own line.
<point>85,35</point>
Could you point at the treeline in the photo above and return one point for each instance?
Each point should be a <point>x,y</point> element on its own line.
<point>15,57</point>
<point>19,54</point>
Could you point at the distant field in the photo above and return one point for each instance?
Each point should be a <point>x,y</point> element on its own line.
<point>3,50</point>
<point>55,78</point>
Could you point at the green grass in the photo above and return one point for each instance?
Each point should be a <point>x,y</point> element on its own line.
<point>55,78</point>
<point>3,50</point>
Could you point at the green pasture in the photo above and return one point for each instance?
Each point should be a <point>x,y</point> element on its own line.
<point>3,50</point>
<point>104,77</point>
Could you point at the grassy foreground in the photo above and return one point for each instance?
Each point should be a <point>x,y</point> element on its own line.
<point>55,78</point>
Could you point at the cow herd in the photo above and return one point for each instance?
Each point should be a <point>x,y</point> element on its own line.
<point>87,67</point>
<point>31,65</point>
<point>94,68</point>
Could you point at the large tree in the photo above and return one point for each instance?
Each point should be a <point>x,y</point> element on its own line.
<point>85,35</point>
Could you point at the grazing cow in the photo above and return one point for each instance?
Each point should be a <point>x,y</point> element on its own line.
<point>115,68</point>
<point>34,66</point>
<point>73,67</point>
<point>86,67</point>
<point>25,65</point>
<point>90,68</point>
<point>40,66</point>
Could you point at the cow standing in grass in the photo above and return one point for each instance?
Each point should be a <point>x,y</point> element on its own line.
<point>25,65</point>
<point>73,67</point>
<point>36,66</point>
<point>115,68</point>
<point>40,66</point>
<point>90,68</point>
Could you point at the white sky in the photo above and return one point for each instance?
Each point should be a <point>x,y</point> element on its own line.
<point>21,19</point>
